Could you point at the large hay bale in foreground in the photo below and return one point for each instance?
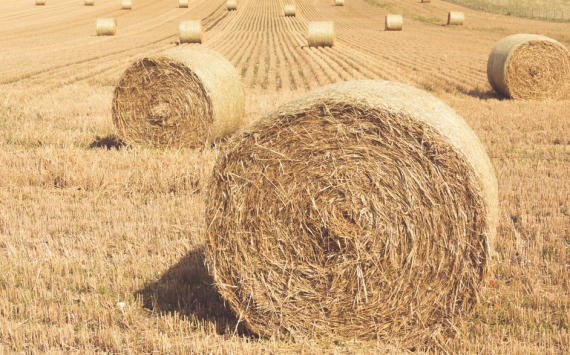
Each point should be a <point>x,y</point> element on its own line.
<point>394,23</point>
<point>106,26</point>
<point>525,66</point>
<point>363,210</point>
<point>183,4</point>
<point>232,5</point>
<point>455,18</point>
<point>186,96</point>
<point>321,34</point>
<point>338,2</point>
<point>127,4</point>
<point>191,31</point>
<point>89,2</point>
<point>290,9</point>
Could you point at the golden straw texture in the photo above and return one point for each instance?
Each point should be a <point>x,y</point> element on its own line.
<point>191,31</point>
<point>232,5</point>
<point>40,2</point>
<point>455,18</point>
<point>106,27</point>
<point>525,66</point>
<point>186,96</point>
<point>394,23</point>
<point>338,2</point>
<point>321,34</point>
<point>127,4</point>
<point>363,210</point>
<point>89,2</point>
<point>290,10</point>
<point>183,3</point>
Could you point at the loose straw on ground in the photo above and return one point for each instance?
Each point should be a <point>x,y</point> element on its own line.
<point>363,210</point>
<point>321,34</point>
<point>106,27</point>
<point>183,3</point>
<point>526,66</point>
<point>127,5</point>
<point>394,23</point>
<point>191,31</point>
<point>232,5</point>
<point>455,18</point>
<point>184,97</point>
<point>290,10</point>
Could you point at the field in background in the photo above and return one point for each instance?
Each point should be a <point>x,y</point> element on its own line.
<point>551,10</point>
<point>100,249</point>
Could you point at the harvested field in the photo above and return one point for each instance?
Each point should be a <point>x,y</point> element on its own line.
<point>101,244</point>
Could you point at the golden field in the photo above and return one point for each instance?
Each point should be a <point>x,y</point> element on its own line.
<point>101,249</point>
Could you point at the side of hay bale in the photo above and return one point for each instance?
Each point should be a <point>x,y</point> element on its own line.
<point>338,2</point>
<point>183,4</point>
<point>425,1</point>
<point>393,23</point>
<point>106,26</point>
<point>127,4</point>
<point>191,31</point>
<point>232,5</point>
<point>321,34</point>
<point>89,2</point>
<point>290,10</point>
<point>455,18</point>
<point>527,66</point>
<point>186,96</point>
<point>40,2</point>
<point>363,210</point>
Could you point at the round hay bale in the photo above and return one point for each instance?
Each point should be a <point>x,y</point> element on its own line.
<point>338,2</point>
<point>393,23</point>
<point>89,2</point>
<point>321,34</point>
<point>526,66</point>
<point>191,31</point>
<point>183,4</point>
<point>424,1</point>
<point>40,2</point>
<point>232,5</point>
<point>106,27</point>
<point>455,18</point>
<point>127,4</point>
<point>363,210</point>
<point>290,10</point>
<point>184,97</point>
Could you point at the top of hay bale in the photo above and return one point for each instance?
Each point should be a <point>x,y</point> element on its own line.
<point>528,66</point>
<point>363,210</point>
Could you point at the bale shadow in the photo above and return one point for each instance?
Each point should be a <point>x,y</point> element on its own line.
<point>188,289</point>
<point>108,142</point>
<point>482,94</point>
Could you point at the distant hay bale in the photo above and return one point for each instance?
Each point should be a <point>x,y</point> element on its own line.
<point>321,34</point>
<point>290,9</point>
<point>191,31</point>
<point>106,26</point>
<point>526,66</point>
<point>184,97</point>
<point>455,18</point>
<point>127,4</point>
<point>424,1</point>
<point>89,2</point>
<point>394,23</point>
<point>40,2</point>
<point>232,5</point>
<point>183,3</point>
<point>363,210</point>
<point>338,2</point>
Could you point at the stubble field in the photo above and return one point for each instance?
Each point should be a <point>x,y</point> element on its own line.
<point>101,249</point>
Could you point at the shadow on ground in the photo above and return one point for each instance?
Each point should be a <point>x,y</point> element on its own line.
<point>482,94</point>
<point>188,289</point>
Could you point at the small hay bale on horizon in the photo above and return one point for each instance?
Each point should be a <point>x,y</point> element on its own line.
<point>232,5</point>
<point>191,31</point>
<point>183,4</point>
<point>89,2</point>
<point>338,2</point>
<point>106,26</point>
<point>40,2</point>
<point>321,34</point>
<point>363,210</point>
<point>527,66</point>
<point>186,96</point>
<point>126,4</point>
<point>455,18</point>
<point>425,1</point>
<point>290,10</point>
<point>393,22</point>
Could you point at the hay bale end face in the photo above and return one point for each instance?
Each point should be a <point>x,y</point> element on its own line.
<point>290,10</point>
<point>106,27</point>
<point>393,23</point>
<point>455,18</point>
<point>526,66</point>
<point>232,5</point>
<point>191,31</point>
<point>321,34</point>
<point>184,97</point>
<point>183,4</point>
<point>40,2</point>
<point>338,2</point>
<point>89,2</point>
<point>363,210</point>
<point>127,4</point>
